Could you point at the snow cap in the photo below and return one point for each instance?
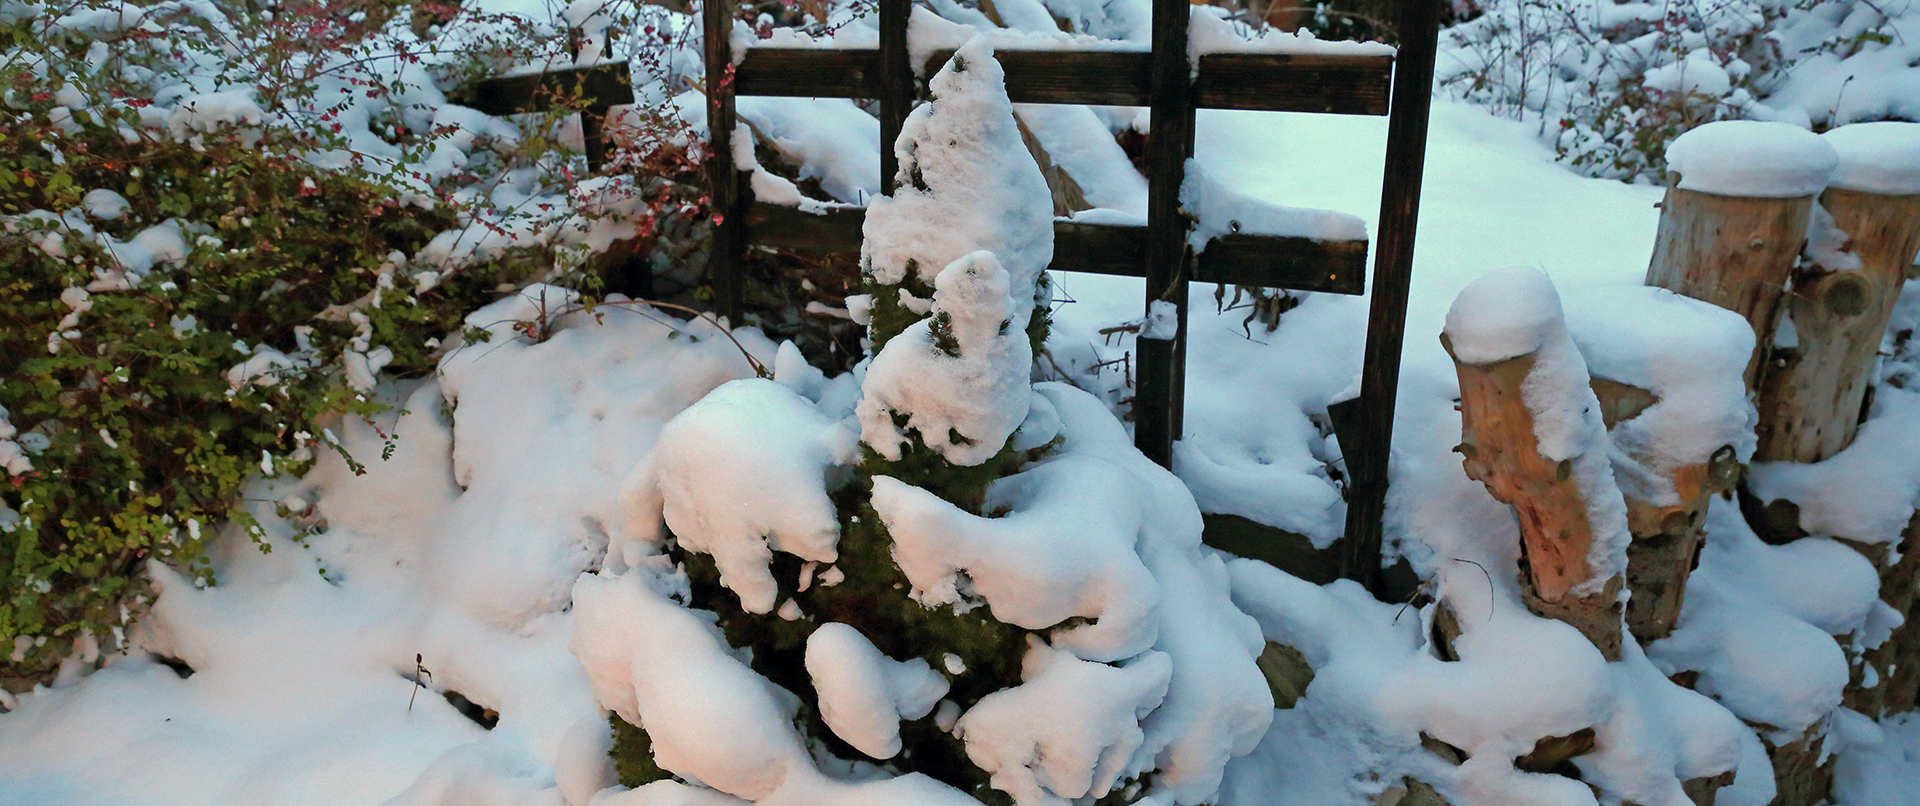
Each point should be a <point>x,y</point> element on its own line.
<point>1504,314</point>
<point>1879,157</point>
<point>1752,158</point>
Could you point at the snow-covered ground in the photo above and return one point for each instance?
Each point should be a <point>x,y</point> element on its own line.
<point>459,554</point>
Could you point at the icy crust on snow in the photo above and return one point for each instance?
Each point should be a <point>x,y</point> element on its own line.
<point>1865,493</point>
<point>1690,355</point>
<point>1096,531</point>
<point>976,187</point>
<point>1516,312</point>
<point>1752,158</point>
<point>1519,678</point>
<point>1759,624</point>
<point>864,694</point>
<point>959,376</point>
<point>750,440</point>
<point>1878,157</point>
<point>1219,208</point>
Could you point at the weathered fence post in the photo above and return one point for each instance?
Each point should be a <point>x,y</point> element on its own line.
<point>1503,328</point>
<point>723,175</point>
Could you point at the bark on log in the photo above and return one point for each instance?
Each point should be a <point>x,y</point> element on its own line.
<point>1666,539</point>
<point>1734,252</point>
<point>1500,451</point>
<point>1811,394</point>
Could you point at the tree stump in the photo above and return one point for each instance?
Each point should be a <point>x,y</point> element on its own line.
<point>1811,393</point>
<point>1499,450</point>
<point>1731,251</point>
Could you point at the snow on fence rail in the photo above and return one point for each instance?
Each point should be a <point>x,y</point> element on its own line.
<point>1172,80</point>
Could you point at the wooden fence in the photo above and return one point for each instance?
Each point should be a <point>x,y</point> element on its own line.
<point>1164,81</point>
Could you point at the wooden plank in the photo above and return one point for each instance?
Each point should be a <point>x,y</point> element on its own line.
<point>1340,85</point>
<point>1161,382</point>
<point>1109,77</point>
<point>723,177</point>
<point>809,73</point>
<point>782,227</point>
<point>1392,273</point>
<point>1298,264</point>
<point>1351,85</point>
<point>597,87</point>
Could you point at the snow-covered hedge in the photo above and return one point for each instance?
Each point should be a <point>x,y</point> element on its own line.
<point>1611,84</point>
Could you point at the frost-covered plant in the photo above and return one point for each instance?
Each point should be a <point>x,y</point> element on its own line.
<point>934,582</point>
<point>220,222</point>
<point>1612,84</point>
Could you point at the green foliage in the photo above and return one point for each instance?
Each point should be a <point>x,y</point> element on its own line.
<point>117,376</point>
<point>632,755</point>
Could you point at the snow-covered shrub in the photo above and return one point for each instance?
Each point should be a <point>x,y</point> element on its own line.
<point>219,225</point>
<point>1612,84</point>
<point>933,581</point>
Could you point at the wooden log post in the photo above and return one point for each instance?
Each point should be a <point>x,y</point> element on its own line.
<point>1547,486</point>
<point>1811,391</point>
<point>1732,251</point>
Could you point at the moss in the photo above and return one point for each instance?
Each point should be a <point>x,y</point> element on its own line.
<point>632,755</point>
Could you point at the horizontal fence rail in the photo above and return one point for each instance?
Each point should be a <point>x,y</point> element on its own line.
<point>1269,82</point>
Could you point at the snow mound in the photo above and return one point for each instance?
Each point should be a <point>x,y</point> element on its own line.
<point>945,207</point>
<point>1752,158</point>
<point>1878,157</point>
<point>1690,355</point>
<point>750,440</point>
<point>958,376</point>
<point>864,694</point>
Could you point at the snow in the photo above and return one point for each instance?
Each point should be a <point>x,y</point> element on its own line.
<point>1070,730</point>
<point>962,388</point>
<point>1219,209</point>
<point>659,665</point>
<point>1690,355</point>
<point>1210,32</point>
<point>1765,664</point>
<point>753,439</point>
<point>864,694</point>
<point>833,140</point>
<point>1865,493</point>
<point>920,232</point>
<point>1752,158</point>
<point>1879,157</point>
<point>506,529</point>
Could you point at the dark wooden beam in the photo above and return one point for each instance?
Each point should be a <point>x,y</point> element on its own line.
<point>809,73</point>
<point>1367,458</point>
<point>1298,264</point>
<point>1346,85</point>
<point>896,85</point>
<point>1341,85</point>
<point>596,87</point>
<point>1160,386</point>
<point>723,177</point>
